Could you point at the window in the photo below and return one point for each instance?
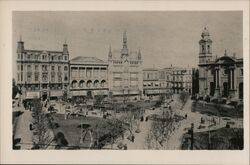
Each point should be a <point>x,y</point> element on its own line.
<point>45,77</point>
<point>65,78</point>
<point>52,77</point>
<point>18,77</point>
<point>65,58</point>
<point>36,67</point>
<point>44,67</point>
<point>28,56</point>
<point>36,77</point>
<point>53,68</point>
<point>18,56</point>
<point>203,48</point>
<point>65,68</point>
<point>18,67</point>
<point>28,67</point>
<point>52,58</point>
<point>28,77</point>
<point>225,71</point>
<point>88,73</point>
<point>59,78</point>
<point>21,56</point>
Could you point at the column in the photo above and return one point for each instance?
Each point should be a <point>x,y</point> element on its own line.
<point>217,83</point>
<point>92,73</point>
<point>78,72</point>
<point>232,82</point>
<point>85,73</point>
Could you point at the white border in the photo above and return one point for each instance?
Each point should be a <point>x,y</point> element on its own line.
<point>112,157</point>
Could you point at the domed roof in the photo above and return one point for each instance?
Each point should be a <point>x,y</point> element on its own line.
<point>205,32</point>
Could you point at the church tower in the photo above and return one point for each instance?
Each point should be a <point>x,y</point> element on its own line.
<point>124,51</point>
<point>205,44</point>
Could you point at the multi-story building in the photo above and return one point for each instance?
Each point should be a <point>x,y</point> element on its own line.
<point>219,76</point>
<point>88,77</point>
<point>153,83</point>
<point>125,72</point>
<point>168,73</point>
<point>178,79</point>
<point>187,79</point>
<point>42,73</point>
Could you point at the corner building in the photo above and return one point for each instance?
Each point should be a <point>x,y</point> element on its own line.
<point>42,73</point>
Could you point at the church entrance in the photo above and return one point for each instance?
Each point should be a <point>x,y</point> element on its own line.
<point>241,91</point>
<point>212,88</point>
<point>225,89</point>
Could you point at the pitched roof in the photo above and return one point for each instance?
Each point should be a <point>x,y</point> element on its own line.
<point>86,60</point>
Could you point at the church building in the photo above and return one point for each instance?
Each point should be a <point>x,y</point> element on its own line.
<point>125,72</point>
<point>219,76</point>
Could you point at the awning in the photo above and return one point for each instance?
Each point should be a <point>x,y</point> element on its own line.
<point>32,95</point>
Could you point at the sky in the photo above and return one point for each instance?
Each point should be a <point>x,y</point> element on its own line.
<point>164,37</point>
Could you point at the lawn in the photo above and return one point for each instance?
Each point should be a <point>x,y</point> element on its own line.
<point>72,132</point>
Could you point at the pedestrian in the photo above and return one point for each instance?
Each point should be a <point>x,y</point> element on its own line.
<point>133,138</point>
<point>30,127</point>
<point>142,118</point>
<point>185,116</point>
<point>146,119</point>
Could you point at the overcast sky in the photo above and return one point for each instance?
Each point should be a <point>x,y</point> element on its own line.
<point>164,38</point>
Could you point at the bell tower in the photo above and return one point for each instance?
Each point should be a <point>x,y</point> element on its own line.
<point>205,44</point>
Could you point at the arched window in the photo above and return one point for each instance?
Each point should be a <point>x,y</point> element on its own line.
<point>202,48</point>
<point>208,48</point>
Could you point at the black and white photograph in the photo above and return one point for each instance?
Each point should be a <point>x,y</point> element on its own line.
<point>124,82</point>
<point>127,80</point>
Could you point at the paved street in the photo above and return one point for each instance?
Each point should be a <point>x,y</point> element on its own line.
<point>22,130</point>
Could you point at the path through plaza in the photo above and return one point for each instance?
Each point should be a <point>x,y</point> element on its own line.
<point>23,132</point>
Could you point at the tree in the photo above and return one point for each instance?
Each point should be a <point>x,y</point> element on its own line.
<point>99,99</point>
<point>42,138</point>
<point>183,98</point>
<point>163,126</point>
<point>116,128</point>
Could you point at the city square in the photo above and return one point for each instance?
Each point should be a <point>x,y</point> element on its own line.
<point>107,93</point>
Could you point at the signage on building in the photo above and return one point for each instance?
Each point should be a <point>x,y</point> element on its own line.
<point>32,95</point>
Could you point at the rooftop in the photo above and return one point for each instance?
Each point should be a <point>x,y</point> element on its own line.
<point>86,60</point>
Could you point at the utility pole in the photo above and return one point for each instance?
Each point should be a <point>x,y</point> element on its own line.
<point>192,136</point>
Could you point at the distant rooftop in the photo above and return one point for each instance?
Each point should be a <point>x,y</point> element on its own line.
<point>86,60</point>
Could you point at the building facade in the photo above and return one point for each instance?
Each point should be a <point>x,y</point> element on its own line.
<point>42,73</point>
<point>88,77</point>
<point>125,72</point>
<point>153,83</point>
<point>219,76</point>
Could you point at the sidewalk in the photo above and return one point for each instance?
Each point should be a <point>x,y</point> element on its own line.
<point>23,132</point>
